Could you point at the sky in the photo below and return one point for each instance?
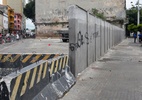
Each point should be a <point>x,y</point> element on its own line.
<point>129,5</point>
<point>30,25</point>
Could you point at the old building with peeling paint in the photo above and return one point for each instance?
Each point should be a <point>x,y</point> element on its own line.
<point>55,11</point>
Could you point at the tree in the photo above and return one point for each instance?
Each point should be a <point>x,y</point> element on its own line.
<point>132,28</point>
<point>29,10</point>
<point>140,27</point>
<point>132,19</point>
<point>98,14</point>
<point>132,15</point>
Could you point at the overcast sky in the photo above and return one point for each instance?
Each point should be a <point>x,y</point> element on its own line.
<point>129,5</point>
<point>30,25</point>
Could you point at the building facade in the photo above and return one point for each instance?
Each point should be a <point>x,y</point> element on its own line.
<point>3,19</point>
<point>17,22</point>
<point>52,11</point>
<point>10,19</point>
<point>18,6</point>
<point>5,23</point>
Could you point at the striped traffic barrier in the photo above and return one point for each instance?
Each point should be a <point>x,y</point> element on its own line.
<point>13,62</point>
<point>38,77</point>
<point>58,64</point>
<point>61,80</point>
<point>25,85</point>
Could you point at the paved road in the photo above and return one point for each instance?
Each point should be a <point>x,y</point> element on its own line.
<point>116,76</point>
<point>35,46</point>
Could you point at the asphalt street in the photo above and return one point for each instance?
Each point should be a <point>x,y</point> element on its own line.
<point>53,46</point>
<point>116,76</point>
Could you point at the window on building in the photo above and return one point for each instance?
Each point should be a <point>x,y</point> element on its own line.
<point>15,21</point>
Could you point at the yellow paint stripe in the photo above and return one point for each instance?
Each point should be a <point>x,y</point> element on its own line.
<point>36,58</point>
<point>52,67</point>
<point>57,65</point>
<point>61,61</point>
<point>15,58</point>
<point>64,62</point>
<point>26,58</point>
<point>0,57</point>
<point>45,70</point>
<point>16,86</point>
<point>6,57</point>
<point>46,57</point>
<point>33,78</point>
<point>56,55</point>
<point>67,62</point>
<point>25,83</point>
<point>40,73</point>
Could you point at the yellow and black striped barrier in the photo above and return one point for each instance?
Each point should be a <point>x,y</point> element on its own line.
<point>25,84</point>
<point>58,64</point>
<point>16,60</point>
<point>34,78</point>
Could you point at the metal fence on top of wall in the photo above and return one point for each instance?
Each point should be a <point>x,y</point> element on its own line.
<point>89,38</point>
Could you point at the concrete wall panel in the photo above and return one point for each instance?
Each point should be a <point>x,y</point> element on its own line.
<point>102,31</point>
<point>89,38</point>
<point>106,38</point>
<point>78,44</point>
<point>98,39</point>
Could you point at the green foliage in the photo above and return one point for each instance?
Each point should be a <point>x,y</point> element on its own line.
<point>132,28</point>
<point>99,15</point>
<point>140,27</point>
<point>132,15</point>
<point>29,10</point>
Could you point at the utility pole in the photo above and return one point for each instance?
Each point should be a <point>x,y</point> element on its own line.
<point>138,12</point>
<point>138,16</point>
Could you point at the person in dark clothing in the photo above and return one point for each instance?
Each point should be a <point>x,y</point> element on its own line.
<point>140,38</point>
<point>135,37</point>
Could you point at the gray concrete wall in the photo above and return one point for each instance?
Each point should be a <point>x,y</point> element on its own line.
<point>89,38</point>
<point>55,10</point>
<point>77,31</point>
<point>49,11</point>
<point>102,38</point>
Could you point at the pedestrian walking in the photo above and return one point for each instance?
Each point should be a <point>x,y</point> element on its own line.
<point>135,37</point>
<point>140,38</point>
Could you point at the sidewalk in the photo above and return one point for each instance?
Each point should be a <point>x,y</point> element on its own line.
<point>116,76</point>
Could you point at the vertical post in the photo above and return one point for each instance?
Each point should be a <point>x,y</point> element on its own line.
<point>138,16</point>
<point>87,31</point>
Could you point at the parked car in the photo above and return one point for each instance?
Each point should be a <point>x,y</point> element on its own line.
<point>65,34</point>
